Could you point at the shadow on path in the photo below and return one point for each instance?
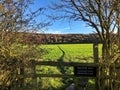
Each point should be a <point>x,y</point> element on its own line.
<point>61,59</point>
<point>63,69</point>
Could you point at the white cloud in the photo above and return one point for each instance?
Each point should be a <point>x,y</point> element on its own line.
<point>57,31</point>
<point>66,28</point>
<point>53,31</point>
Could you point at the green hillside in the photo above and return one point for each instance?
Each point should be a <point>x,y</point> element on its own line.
<point>72,52</point>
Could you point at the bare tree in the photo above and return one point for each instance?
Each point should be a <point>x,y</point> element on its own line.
<point>16,17</point>
<point>104,17</point>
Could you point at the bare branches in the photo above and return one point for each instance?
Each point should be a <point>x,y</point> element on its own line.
<point>16,18</point>
<point>99,14</point>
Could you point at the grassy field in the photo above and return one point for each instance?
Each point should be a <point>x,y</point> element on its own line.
<point>69,52</point>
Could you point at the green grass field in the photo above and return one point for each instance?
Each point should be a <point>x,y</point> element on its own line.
<point>69,52</point>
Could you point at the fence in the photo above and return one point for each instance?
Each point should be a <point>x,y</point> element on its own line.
<point>22,75</point>
<point>32,73</point>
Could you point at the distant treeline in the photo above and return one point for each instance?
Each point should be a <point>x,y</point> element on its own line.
<point>35,38</point>
<point>60,38</point>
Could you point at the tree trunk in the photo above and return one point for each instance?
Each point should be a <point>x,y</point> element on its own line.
<point>105,72</point>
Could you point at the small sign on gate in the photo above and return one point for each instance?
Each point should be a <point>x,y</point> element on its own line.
<point>87,71</point>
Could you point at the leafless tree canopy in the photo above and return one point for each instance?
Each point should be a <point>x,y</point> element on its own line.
<point>16,18</point>
<point>103,16</point>
<point>100,14</point>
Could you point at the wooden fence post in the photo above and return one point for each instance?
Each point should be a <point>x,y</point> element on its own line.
<point>95,55</point>
<point>34,78</point>
<point>95,52</point>
<point>22,72</point>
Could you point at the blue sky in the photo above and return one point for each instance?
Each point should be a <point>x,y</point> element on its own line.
<point>62,26</point>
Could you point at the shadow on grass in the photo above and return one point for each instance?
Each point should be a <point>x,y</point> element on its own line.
<point>61,59</point>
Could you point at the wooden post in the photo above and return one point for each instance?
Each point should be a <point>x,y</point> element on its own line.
<point>95,52</point>
<point>34,78</point>
<point>95,55</point>
<point>22,71</point>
